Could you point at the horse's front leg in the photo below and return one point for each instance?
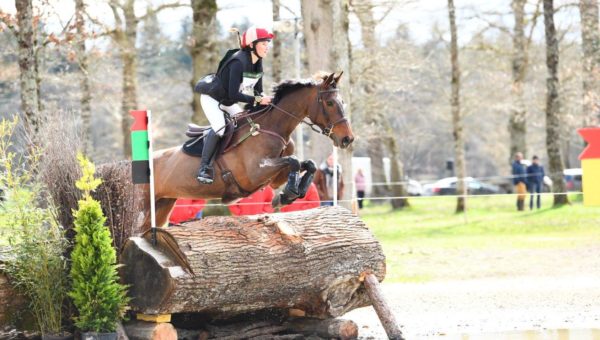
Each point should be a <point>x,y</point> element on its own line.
<point>296,187</point>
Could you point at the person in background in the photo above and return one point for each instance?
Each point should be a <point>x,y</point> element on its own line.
<point>361,185</point>
<point>257,203</point>
<point>324,181</point>
<point>310,200</point>
<point>535,181</point>
<point>186,210</point>
<point>519,180</point>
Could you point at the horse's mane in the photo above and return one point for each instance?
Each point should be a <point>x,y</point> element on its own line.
<point>288,86</point>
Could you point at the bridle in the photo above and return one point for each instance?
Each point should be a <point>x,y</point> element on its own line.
<point>330,125</point>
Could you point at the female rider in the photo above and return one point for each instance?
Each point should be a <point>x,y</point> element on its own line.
<point>238,80</point>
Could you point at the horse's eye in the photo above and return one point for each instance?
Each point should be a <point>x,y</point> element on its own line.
<point>329,103</point>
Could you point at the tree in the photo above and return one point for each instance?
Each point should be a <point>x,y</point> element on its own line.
<point>86,94</point>
<point>124,34</point>
<point>457,124</point>
<point>553,122</point>
<point>324,20</point>
<point>383,135</point>
<point>590,41</point>
<point>203,48</point>
<point>24,28</point>
<point>517,125</point>
<point>276,51</point>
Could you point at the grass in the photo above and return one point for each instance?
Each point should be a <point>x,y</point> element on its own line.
<point>418,240</point>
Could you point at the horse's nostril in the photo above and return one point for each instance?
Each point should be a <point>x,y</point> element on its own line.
<point>347,140</point>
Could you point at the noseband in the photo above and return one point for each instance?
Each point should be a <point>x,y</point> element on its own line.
<point>330,125</point>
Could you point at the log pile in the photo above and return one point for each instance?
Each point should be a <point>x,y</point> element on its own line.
<point>305,268</point>
<point>309,260</point>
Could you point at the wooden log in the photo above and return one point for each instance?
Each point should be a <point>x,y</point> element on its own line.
<point>329,328</point>
<point>384,312</point>
<point>121,334</point>
<point>142,330</point>
<point>309,260</point>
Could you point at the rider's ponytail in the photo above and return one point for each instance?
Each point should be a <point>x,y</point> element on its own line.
<point>232,30</point>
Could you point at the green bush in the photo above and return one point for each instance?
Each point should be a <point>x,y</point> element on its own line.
<point>98,296</point>
<point>37,267</point>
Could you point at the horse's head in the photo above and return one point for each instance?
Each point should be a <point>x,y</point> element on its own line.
<point>328,112</point>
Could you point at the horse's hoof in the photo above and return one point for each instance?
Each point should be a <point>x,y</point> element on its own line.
<point>204,180</point>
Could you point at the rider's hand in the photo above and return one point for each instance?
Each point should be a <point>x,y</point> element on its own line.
<point>266,100</point>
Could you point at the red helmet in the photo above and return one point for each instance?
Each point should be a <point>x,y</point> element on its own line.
<point>253,34</point>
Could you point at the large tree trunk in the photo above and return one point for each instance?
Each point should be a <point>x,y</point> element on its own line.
<point>30,101</point>
<point>318,39</point>
<point>397,175</point>
<point>203,49</point>
<point>276,51</point>
<point>517,125</point>
<point>340,61</point>
<point>310,260</point>
<point>553,122</point>
<point>129,59</point>
<point>590,41</point>
<point>459,141</point>
<point>84,80</point>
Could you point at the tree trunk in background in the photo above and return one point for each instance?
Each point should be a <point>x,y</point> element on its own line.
<point>459,141</point>
<point>553,123</point>
<point>375,118</point>
<point>396,174</point>
<point>517,125</point>
<point>318,40</point>
<point>340,61</point>
<point>276,50</point>
<point>203,49</point>
<point>84,81</point>
<point>129,59</point>
<point>590,40</point>
<point>29,81</point>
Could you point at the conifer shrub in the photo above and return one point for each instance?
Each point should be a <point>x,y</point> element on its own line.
<point>98,296</point>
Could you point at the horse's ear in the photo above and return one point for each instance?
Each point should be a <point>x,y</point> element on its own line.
<point>328,80</point>
<point>337,79</point>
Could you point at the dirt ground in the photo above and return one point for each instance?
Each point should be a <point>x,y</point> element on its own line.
<point>516,294</point>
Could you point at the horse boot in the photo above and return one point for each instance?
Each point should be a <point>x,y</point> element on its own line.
<point>206,172</point>
<point>307,178</point>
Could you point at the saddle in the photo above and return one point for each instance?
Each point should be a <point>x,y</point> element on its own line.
<point>193,146</point>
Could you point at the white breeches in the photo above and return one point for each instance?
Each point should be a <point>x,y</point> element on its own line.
<point>214,112</point>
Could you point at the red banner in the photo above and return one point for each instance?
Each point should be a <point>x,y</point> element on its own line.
<point>592,137</point>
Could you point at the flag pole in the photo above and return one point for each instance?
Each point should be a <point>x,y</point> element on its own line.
<point>151,164</point>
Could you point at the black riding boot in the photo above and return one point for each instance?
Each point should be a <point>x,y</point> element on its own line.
<point>206,173</point>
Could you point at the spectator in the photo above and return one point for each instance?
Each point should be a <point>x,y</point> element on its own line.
<point>324,181</point>
<point>186,210</point>
<point>257,203</point>
<point>519,180</point>
<point>310,200</point>
<point>359,180</point>
<point>535,181</point>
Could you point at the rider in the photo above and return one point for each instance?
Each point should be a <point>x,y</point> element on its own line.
<point>238,80</point>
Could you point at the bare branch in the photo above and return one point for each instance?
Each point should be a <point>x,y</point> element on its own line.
<point>152,11</point>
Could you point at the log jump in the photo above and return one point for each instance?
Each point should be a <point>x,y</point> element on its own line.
<point>312,262</point>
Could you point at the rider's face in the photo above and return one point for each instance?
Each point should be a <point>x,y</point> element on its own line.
<point>262,48</point>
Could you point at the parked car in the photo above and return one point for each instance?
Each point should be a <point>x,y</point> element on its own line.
<point>447,186</point>
<point>573,179</point>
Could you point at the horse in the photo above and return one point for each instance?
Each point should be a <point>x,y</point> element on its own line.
<point>260,152</point>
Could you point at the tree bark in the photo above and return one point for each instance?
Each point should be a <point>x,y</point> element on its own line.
<point>225,266</point>
<point>127,39</point>
<point>517,126</point>
<point>276,50</point>
<point>203,49</point>
<point>84,80</point>
<point>457,123</point>
<point>553,121</point>
<point>29,80</point>
<point>590,41</point>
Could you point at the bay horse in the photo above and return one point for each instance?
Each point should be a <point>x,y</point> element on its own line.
<point>260,152</point>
